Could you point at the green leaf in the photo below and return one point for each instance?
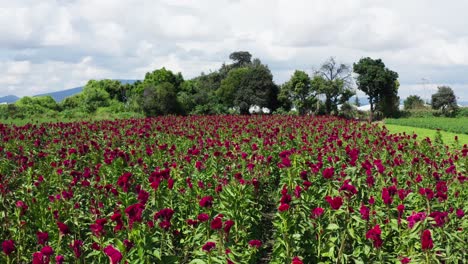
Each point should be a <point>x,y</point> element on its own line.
<point>333,227</point>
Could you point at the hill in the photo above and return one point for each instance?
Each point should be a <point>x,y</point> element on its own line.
<point>9,99</point>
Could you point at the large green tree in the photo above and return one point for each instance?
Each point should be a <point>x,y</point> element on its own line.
<point>333,80</point>
<point>160,100</point>
<point>94,96</point>
<point>158,77</point>
<point>249,86</point>
<point>445,100</point>
<point>379,84</point>
<point>298,92</point>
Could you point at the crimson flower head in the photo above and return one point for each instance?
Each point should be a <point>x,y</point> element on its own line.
<point>76,247</point>
<point>114,255</point>
<point>134,213</point>
<point>216,223</point>
<point>38,258</point>
<point>386,197</point>
<point>405,260</point>
<point>209,246</point>
<point>98,227</point>
<point>283,207</point>
<point>297,260</point>
<point>227,226</point>
<point>8,247</point>
<point>334,202</point>
<point>165,214</point>
<point>426,240</point>
<point>63,228</point>
<point>59,259</point>
<point>328,173</point>
<point>206,201</point>
<point>203,217</point>
<point>255,243</point>
<point>317,212</point>
<point>374,235</point>
<point>42,237</point>
<point>364,210</point>
<point>47,250</point>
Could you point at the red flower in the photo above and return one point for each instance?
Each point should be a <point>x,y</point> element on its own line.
<point>426,240</point>
<point>405,260</point>
<point>317,212</point>
<point>460,213</point>
<point>296,260</point>
<point>203,217</point>
<point>38,258</point>
<point>283,207</point>
<point>216,223</point>
<point>42,237</point>
<point>209,246</point>
<point>47,250</point>
<point>114,255</point>
<point>63,228</point>
<point>98,227</point>
<point>328,173</point>
<point>134,213</point>
<point>335,202</point>
<point>76,247</point>
<point>255,243</point>
<point>59,259</point>
<point>364,210</point>
<point>206,201</point>
<point>374,235</point>
<point>8,246</point>
<point>387,199</point>
<point>227,226</point>
<point>165,214</point>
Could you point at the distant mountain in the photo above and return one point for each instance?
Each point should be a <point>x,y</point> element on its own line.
<point>61,95</point>
<point>9,99</point>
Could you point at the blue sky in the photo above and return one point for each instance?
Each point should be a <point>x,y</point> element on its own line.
<point>53,45</point>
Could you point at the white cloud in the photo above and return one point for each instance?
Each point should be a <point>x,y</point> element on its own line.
<point>52,45</point>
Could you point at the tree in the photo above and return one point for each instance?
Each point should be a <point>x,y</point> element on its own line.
<point>160,100</point>
<point>334,81</point>
<point>378,83</point>
<point>240,58</point>
<point>248,86</point>
<point>298,91</point>
<point>413,102</point>
<point>444,99</point>
<point>94,96</point>
<point>158,77</point>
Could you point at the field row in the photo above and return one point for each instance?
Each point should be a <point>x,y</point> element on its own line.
<point>454,125</point>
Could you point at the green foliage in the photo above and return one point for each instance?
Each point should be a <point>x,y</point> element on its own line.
<point>413,102</point>
<point>455,125</point>
<point>241,58</point>
<point>160,100</point>
<point>94,96</point>
<point>72,102</point>
<point>160,76</point>
<point>445,100</point>
<point>348,111</point>
<point>379,84</point>
<point>298,92</point>
<point>248,86</point>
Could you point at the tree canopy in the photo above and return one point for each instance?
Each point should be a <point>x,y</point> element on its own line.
<point>445,100</point>
<point>379,84</point>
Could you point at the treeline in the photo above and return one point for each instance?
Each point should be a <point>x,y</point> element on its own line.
<point>243,86</point>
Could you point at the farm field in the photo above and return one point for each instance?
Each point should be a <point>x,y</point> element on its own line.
<point>454,125</point>
<point>229,189</point>
<point>448,138</point>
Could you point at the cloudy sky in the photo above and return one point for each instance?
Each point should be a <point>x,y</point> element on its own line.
<point>54,45</point>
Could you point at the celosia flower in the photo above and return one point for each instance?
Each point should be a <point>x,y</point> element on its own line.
<point>8,247</point>
<point>206,201</point>
<point>209,246</point>
<point>374,235</point>
<point>255,243</point>
<point>334,202</point>
<point>114,255</point>
<point>426,240</point>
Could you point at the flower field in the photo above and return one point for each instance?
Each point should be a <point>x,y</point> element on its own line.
<point>229,189</point>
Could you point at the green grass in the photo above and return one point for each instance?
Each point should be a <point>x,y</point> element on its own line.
<point>447,137</point>
<point>454,125</point>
